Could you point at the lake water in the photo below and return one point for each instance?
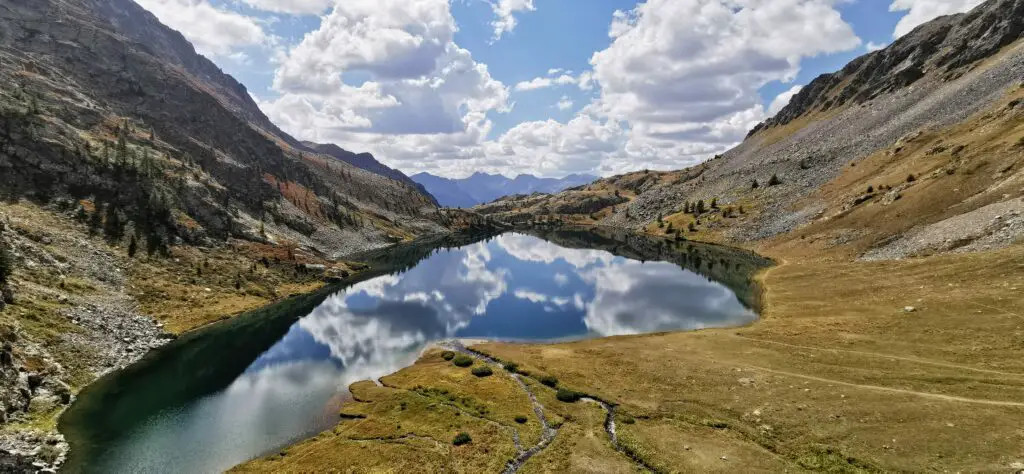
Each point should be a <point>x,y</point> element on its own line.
<point>249,386</point>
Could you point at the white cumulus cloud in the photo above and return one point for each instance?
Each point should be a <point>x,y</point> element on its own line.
<point>565,103</point>
<point>421,100</point>
<point>923,11</point>
<point>873,46</point>
<point>782,100</point>
<point>213,31</point>
<point>294,7</point>
<point>504,11</point>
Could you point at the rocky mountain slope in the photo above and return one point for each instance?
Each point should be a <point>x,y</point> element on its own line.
<point>926,129</point>
<point>366,162</point>
<point>109,106</point>
<point>481,188</point>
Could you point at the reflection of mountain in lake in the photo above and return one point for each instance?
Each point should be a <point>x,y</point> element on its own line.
<point>734,268</point>
<point>242,388</point>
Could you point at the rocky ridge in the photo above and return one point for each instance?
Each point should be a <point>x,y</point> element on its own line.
<point>894,106</point>
<point>109,105</point>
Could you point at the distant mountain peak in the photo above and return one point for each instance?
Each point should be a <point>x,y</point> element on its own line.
<point>481,187</point>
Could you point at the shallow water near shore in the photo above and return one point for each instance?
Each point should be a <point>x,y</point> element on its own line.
<point>254,384</point>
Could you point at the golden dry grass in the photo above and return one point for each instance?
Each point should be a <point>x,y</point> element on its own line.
<point>197,287</point>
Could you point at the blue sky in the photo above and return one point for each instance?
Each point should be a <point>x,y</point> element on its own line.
<point>428,85</point>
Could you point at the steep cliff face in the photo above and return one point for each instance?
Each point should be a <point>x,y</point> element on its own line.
<point>108,106</point>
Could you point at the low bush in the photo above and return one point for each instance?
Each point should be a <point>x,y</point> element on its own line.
<point>462,438</point>
<point>482,371</point>
<point>520,419</point>
<point>511,367</point>
<point>462,360</point>
<point>568,396</point>
<point>549,380</point>
<point>447,355</point>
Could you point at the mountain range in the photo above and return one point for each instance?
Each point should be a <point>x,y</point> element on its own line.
<point>480,188</point>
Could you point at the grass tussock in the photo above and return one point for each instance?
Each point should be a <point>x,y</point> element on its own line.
<point>462,360</point>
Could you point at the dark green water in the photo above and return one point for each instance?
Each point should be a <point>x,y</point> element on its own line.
<point>249,386</point>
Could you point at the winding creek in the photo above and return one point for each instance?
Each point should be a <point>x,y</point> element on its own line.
<point>246,387</point>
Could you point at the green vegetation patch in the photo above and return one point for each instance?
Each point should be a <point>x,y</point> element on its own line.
<point>482,371</point>
<point>447,355</point>
<point>462,438</point>
<point>568,396</point>
<point>462,360</point>
<point>549,380</point>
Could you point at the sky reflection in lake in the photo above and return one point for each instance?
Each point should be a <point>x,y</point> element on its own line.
<point>514,287</point>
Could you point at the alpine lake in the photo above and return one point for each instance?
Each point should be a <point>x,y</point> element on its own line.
<point>246,387</point>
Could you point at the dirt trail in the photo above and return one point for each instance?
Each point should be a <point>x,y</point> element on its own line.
<point>937,396</point>
<point>882,355</point>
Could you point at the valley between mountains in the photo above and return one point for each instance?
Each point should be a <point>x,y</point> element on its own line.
<point>146,196</point>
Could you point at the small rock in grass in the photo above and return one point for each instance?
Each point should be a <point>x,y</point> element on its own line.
<point>909,309</point>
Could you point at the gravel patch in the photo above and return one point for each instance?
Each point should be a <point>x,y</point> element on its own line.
<point>994,226</point>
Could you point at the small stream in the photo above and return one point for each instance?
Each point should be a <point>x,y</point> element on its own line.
<point>251,385</point>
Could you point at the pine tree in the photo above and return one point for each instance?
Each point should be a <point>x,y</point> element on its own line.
<point>133,246</point>
<point>6,262</point>
<point>96,219</point>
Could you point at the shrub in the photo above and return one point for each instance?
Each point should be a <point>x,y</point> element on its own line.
<point>754,184</point>
<point>482,371</point>
<point>511,367</point>
<point>447,355</point>
<point>462,360</point>
<point>462,438</point>
<point>520,419</point>
<point>549,380</point>
<point>871,189</point>
<point>911,178</point>
<point>716,424</point>
<point>692,227</point>
<point>774,180</point>
<point>568,396</point>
